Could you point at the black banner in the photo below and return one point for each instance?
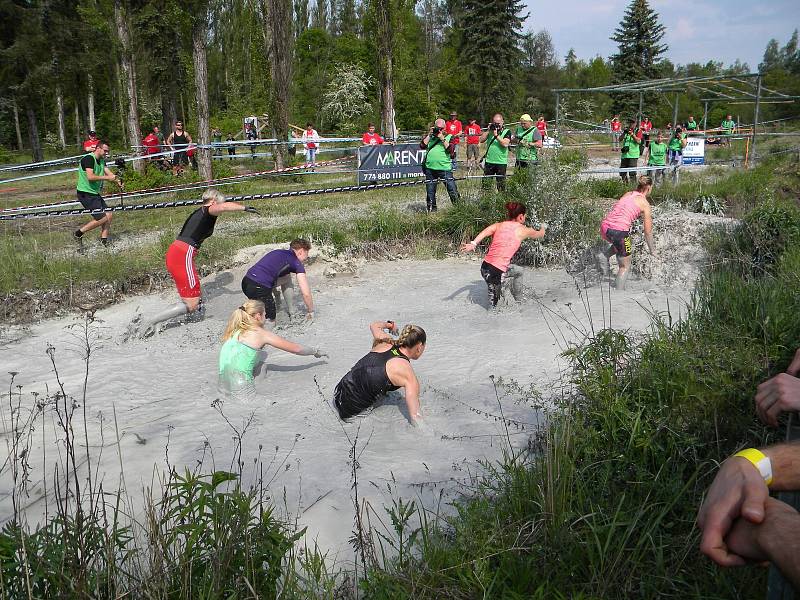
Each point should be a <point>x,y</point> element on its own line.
<point>385,162</point>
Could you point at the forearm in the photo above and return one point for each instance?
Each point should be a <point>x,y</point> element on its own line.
<point>651,243</point>
<point>785,459</point>
<point>412,403</point>
<point>308,301</point>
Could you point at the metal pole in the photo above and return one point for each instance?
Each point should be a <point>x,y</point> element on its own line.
<point>675,113</point>
<point>705,116</point>
<point>558,113</point>
<point>639,114</point>
<point>755,116</point>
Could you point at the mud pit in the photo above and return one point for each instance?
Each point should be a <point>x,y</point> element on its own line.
<point>163,387</point>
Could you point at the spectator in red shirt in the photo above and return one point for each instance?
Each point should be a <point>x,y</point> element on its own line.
<point>370,138</point>
<point>541,125</point>
<point>616,132</point>
<point>645,128</point>
<point>453,127</point>
<point>91,143</point>
<point>473,131</point>
<point>151,143</point>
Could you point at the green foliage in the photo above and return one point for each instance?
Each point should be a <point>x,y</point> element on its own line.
<point>605,505</point>
<point>219,544</point>
<point>639,44</point>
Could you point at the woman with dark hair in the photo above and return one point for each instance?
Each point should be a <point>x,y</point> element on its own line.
<point>506,239</point>
<point>387,367</point>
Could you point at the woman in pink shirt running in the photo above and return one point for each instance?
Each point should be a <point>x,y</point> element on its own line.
<point>506,239</point>
<point>616,228</point>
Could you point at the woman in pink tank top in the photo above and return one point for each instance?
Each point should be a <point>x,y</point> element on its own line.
<point>616,229</point>
<point>506,239</point>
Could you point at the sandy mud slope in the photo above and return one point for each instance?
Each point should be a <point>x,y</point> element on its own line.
<point>163,388</point>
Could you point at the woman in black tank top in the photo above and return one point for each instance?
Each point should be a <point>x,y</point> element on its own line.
<point>386,368</point>
<point>179,141</point>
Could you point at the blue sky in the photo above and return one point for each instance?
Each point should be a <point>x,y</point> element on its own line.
<point>697,31</point>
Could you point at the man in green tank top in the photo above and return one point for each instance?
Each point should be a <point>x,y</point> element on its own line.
<point>657,158</point>
<point>629,153</point>
<point>529,140</point>
<point>728,127</point>
<point>497,138</point>
<point>438,164</point>
<point>92,172</point>
<point>691,124</point>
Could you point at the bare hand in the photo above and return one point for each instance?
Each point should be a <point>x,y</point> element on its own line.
<point>748,540</point>
<point>468,247</point>
<point>777,395</point>
<point>738,491</point>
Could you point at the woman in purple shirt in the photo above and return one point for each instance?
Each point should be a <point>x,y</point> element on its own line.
<point>260,279</point>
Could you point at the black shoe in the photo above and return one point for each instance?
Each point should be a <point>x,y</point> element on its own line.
<point>106,242</point>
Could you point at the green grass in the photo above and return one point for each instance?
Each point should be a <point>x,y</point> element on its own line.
<point>604,507</point>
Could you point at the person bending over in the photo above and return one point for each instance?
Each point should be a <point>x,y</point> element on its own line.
<point>261,279</point>
<point>616,229</point>
<point>92,172</point>
<point>506,239</point>
<point>180,255</point>
<point>387,367</point>
<point>243,338</point>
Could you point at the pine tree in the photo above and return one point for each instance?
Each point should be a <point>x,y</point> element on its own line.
<point>639,38</point>
<point>490,43</point>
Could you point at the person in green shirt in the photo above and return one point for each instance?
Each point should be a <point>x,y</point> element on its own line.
<point>497,138</point>
<point>629,157</point>
<point>92,172</point>
<point>529,140</point>
<point>691,124</point>
<point>675,147</point>
<point>438,164</point>
<point>728,128</point>
<point>244,339</point>
<point>657,158</point>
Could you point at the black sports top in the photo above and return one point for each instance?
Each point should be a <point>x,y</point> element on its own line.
<point>180,140</point>
<point>198,227</point>
<point>366,382</point>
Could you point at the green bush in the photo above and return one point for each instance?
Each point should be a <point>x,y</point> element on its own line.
<point>603,505</point>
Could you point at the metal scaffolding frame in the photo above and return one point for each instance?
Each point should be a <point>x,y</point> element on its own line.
<point>745,88</point>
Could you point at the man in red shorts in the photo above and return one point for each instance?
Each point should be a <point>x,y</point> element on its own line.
<point>180,255</point>
<point>453,127</point>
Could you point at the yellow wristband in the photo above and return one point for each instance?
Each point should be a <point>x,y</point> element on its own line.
<point>760,461</point>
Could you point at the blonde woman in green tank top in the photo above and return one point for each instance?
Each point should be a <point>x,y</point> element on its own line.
<point>244,337</point>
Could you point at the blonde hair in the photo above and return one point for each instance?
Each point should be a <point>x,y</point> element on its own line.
<point>643,182</point>
<point>410,336</point>
<point>244,319</point>
<point>213,195</point>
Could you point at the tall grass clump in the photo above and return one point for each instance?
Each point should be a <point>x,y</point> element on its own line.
<point>603,503</point>
<point>198,534</point>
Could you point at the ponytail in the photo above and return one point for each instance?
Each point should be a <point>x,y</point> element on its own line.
<point>410,336</point>
<point>244,319</point>
<point>515,209</point>
<point>643,182</point>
